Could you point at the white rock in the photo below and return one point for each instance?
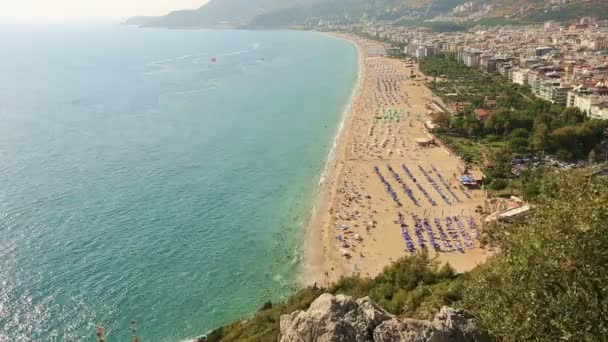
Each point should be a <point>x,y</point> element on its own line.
<point>342,319</point>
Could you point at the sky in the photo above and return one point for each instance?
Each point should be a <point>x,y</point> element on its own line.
<point>89,9</point>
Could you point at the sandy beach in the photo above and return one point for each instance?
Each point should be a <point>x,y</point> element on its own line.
<point>385,194</point>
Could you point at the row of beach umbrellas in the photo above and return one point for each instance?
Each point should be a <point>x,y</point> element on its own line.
<point>388,187</point>
<point>408,191</point>
<point>420,187</point>
<point>434,184</point>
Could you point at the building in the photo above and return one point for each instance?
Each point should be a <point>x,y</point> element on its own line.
<point>470,59</point>
<point>481,114</point>
<point>559,94</point>
<point>542,51</point>
<point>520,76</point>
<point>425,51</point>
<point>593,102</point>
<point>490,65</point>
<point>551,89</point>
<point>600,111</point>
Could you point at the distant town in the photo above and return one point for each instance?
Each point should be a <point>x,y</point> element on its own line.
<point>564,64</point>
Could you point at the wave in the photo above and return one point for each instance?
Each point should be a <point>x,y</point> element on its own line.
<point>250,48</point>
<point>161,66</point>
<point>192,91</point>
<point>176,59</point>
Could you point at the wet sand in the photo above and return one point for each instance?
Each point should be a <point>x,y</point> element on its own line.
<point>357,227</point>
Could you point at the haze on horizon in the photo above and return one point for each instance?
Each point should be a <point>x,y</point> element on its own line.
<point>34,10</point>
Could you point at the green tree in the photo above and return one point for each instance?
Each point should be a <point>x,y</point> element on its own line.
<point>500,160</point>
<point>518,144</point>
<point>540,138</point>
<point>472,127</point>
<point>499,184</point>
<point>520,133</point>
<point>571,116</point>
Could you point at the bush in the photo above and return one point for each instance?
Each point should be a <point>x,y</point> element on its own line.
<point>492,138</point>
<point>416,286</point>
<point>564,155</point>
<point>499,184</point>
<point>519,133</point>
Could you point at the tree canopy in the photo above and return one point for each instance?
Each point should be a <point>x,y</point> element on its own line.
<point>550,280</point>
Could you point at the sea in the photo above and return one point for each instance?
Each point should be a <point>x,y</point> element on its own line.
<point>158,176</point>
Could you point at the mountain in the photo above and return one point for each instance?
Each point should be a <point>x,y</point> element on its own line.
<point>217,13</point>
<point>286,13</point>
<point>283,13</point>
<point>353,9</point>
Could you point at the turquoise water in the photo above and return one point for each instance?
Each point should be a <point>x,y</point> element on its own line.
<point>141,180</point>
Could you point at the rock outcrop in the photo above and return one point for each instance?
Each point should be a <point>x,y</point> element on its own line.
<point>341,318</point>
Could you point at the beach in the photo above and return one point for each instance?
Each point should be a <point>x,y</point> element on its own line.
<point>389,189</point>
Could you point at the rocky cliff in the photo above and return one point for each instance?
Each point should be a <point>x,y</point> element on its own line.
<point>341,318</point>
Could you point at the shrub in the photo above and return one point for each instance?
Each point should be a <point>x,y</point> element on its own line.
<point>499,184</point>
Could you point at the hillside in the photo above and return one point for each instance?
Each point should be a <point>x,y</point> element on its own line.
<point>286,13</point>
<point>282,13</point>
<point>571,11</point>
<point>354,9</point>
<point>533,10</point>
<point>218,13</point>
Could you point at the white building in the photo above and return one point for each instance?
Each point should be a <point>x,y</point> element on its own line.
<point>600,111</point>
<point>520,76</point>
<point>593,104</point>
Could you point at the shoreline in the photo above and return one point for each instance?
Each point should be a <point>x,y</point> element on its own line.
<point>348,182</point>
<point>312,254</point>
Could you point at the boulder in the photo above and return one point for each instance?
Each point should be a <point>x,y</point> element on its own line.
<point>334,318</point>
<point>449,325</point>
<point>342,319</point>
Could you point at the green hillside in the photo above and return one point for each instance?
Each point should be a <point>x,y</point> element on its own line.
<point>572,11</point>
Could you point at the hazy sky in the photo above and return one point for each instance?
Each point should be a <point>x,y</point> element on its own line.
<point>89,9</point>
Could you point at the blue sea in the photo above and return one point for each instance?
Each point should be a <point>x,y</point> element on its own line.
<point>162,176</point>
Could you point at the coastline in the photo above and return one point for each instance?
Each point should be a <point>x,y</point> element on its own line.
<point>348,181</point>
<point>314,254</point>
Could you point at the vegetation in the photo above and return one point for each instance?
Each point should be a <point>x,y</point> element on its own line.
<point>451,26</point>
<point>547,283</point>
<point>414,286</point>
<point>436,26</point>
<point>573,11</point>
<point>497,21</point>
<point>519,124</point>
